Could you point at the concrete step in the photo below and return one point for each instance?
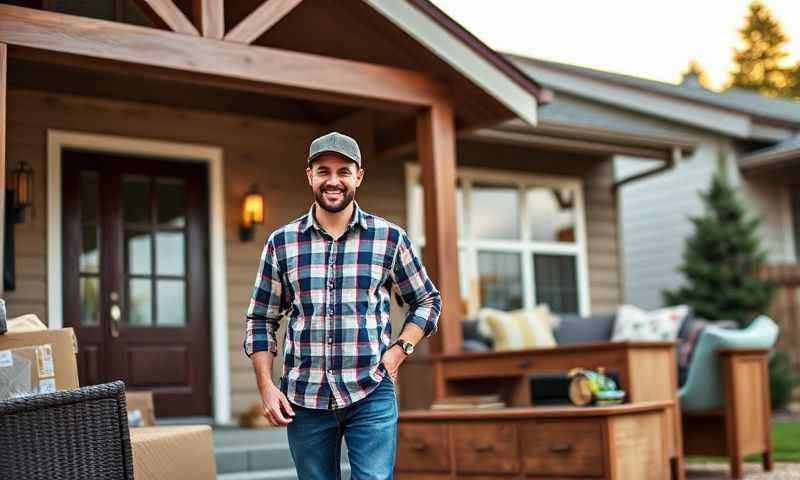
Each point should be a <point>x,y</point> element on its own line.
<point>283,474</point>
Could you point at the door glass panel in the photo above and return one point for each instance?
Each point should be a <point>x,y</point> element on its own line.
<point>551,213</point>
<point>171,202</point>
<point>171,302</point>
<point>140,301</point>
<point>136,199</point>
<point>495,212</point>
<point>169,253</point>
<point>500,280</point>
<point>556,282</point>
<point>89,194</point>
<point>90,255</point>
<point>90,301</point>
<point>137,253</point>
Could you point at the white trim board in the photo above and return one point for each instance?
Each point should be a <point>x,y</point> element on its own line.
<point>189,152</point>
<point>469,244</point>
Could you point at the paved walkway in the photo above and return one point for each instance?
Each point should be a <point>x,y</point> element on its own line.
<point>752,471</point>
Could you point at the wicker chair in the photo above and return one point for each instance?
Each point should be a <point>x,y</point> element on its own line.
<point>79,434</point>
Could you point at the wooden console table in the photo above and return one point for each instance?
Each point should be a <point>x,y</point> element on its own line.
<point>647,372</point>
<point>620,442</point>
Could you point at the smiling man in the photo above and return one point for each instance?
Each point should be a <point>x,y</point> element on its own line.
<point>332,272</point>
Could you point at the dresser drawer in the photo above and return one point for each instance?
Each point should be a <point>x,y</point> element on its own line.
<point>423,447</point>
<point>562,447</point>
<point>485,447</point>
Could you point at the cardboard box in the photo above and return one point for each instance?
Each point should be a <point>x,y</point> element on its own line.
<point>37,362</point>
<point>165,453</point>
<point>143,402</point>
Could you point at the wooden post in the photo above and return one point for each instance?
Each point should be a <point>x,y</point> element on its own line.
<point>3,136</point>
<point>437,158</point>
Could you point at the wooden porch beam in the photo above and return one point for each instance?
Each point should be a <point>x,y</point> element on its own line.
<point>436,142</point>
<point>269,70</point>
<point>165,13</point>
<point>3,139</point>
<point>260,20</point>
<point>209,18</point>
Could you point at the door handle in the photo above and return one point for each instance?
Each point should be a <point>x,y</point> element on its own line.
<point>115,314</point>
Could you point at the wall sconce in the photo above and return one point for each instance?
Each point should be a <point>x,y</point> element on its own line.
<point>252,213</point>
<point>22,184</point>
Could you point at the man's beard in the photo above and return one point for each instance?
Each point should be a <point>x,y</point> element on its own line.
<point>336,206</point>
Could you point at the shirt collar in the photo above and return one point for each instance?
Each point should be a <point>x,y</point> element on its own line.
<point>310,220</point>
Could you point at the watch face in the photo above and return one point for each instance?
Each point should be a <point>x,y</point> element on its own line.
<point>408,348</point>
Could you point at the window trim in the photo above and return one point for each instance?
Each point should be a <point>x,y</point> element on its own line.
<point>471,245</point>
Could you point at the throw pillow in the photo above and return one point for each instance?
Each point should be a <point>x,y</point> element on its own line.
<point>633,323</point>
<point>519,329</point>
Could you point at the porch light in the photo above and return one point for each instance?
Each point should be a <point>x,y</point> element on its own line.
<point>22,183</point>
<point>252,213</point>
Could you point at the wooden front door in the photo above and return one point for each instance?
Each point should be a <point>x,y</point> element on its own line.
<point>136,285</point>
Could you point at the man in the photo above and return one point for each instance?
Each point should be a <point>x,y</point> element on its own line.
<point>332,272</point>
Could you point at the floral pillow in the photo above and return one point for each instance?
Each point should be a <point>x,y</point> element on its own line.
<point>633,323</point>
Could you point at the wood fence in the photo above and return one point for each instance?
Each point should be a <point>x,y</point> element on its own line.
<point>785,308</point>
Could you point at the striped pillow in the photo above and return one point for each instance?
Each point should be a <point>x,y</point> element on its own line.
<point>519,329</point>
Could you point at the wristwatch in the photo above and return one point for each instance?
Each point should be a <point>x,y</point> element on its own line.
<point>406,346</point>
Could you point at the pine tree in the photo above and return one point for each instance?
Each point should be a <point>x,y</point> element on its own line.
<point>758,65</point>
<point>721,260</point>
<point>695,75</point>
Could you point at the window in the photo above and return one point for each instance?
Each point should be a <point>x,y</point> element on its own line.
<point>521,238</point>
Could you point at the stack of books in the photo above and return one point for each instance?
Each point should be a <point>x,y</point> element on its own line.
<point>467,402</point>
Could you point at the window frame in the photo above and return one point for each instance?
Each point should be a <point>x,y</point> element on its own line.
<point>469,245</point>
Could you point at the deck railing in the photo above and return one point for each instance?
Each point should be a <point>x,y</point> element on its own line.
<point>785,308</point>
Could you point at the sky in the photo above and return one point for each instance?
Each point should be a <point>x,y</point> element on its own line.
<point>653,39</point>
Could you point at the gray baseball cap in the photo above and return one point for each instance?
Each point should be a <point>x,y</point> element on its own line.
<point>335,142</point>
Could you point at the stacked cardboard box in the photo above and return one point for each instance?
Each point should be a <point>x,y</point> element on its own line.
<point>37,361</point>
<point>173,452</point>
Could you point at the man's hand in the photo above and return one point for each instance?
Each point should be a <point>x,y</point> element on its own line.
<point>391,360</point>
<point>277,409</point>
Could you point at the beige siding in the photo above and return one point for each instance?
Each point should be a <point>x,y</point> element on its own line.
<point>601,213</point>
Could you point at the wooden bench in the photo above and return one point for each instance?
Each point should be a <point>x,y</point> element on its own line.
<point>620,442</point>
<point>646,370</point>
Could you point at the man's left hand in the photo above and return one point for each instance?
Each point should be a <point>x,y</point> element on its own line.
<point>391,360</point>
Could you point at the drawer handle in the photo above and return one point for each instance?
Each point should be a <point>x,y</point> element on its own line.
<point>561,447</point>
<point>419,446</point>
<point>487,447</point>
<point>524,364</point>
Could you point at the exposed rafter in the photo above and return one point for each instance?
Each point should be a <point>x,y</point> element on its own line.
<point>165,13</point>
<point>209,17</point>
<point>262,19</point>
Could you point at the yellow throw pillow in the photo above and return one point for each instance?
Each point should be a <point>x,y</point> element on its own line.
<point>519,329</point>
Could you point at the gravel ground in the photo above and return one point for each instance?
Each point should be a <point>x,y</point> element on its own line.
<point>751,471</point>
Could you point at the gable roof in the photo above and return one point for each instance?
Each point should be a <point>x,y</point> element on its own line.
<point>464,52</point>
<point>734,112</point>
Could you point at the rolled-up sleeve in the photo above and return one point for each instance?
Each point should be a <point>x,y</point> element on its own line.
<point>416,288</point>
<point>268,304</point>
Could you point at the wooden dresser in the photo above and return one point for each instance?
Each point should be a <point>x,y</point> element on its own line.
<point>628,441</point>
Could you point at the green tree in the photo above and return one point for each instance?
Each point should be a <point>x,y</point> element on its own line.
<point>695,75</point>
<point>758,64</point>
<point>721,260</point>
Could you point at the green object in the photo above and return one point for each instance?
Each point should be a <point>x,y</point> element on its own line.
<point>721,260</point>
<point>703,388</point>
<point>782,380</point>
<point>589,386</point>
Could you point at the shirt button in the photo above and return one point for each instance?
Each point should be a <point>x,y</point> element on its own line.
<point>330,340</point>
<point>330,370</point>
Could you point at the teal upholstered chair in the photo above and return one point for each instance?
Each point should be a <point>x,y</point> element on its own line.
<point>725,400</point>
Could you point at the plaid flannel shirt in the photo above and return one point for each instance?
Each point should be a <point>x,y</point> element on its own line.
<point>337,295</point>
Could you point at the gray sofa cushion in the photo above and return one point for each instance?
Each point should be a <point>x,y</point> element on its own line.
<point>473,339</point>
<point>572,328</point>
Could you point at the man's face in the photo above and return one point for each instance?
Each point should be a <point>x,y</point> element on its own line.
<point>334,181</point>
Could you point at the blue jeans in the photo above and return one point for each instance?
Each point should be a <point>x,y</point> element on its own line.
<point>369,426</point>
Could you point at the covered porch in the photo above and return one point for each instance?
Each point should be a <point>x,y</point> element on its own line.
<point>235,94</point>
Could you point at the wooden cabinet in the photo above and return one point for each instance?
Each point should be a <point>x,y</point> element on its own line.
<point>621,442</point>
